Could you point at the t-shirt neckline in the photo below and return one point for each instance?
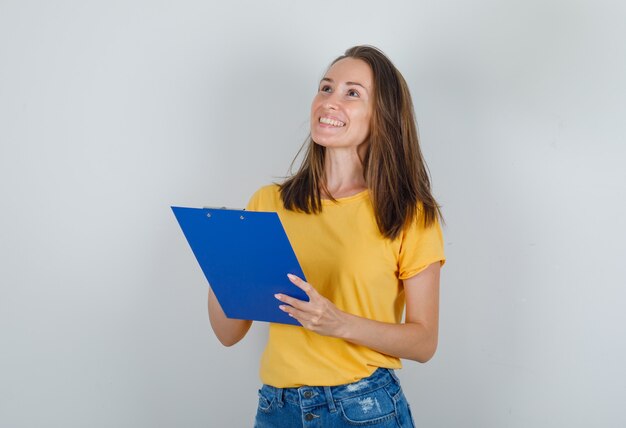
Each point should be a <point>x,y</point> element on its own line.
<point>357,196</point>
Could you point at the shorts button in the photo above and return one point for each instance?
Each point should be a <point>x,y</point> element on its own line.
<point>308,394</point>
<point>309,416</point>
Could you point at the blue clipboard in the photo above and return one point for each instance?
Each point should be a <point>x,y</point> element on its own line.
<point>245,256</point>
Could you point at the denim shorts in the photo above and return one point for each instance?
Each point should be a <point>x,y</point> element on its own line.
<point>375,401</point>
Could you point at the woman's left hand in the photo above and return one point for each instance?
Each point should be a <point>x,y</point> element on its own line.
<point>318,314</point>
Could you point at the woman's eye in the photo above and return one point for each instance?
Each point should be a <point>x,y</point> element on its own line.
<point>353,93</point>
<point>325,88</point>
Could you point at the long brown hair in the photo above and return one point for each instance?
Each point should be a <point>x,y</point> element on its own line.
<point>394,168</point>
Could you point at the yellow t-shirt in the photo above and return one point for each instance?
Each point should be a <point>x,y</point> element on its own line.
<point>347,260</point>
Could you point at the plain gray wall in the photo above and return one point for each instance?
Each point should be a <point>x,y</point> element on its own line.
<point>112,111</point>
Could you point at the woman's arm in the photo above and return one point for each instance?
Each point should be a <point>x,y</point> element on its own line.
<point>228,331</point>
<point>416,339</point>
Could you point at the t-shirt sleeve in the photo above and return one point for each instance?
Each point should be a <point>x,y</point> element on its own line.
<point>420,247</point>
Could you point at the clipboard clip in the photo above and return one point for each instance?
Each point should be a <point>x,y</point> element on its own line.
<point>224,208</point>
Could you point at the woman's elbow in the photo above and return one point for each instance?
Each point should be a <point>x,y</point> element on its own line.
<point>229,341</point>
<point>425,352</point>
<point>232,332</point>
<point>426,356</point>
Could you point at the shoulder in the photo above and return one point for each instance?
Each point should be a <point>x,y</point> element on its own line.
<point>424,220</point>
<point>267,198</point>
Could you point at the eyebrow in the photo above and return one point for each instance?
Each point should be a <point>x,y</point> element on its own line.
<point>327,79</point>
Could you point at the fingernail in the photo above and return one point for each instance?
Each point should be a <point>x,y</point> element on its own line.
<point>281,307</point>
<point>291,276</point>
<point>278,296</point>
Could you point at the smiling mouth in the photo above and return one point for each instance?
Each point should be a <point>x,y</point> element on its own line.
<point>331,122</point>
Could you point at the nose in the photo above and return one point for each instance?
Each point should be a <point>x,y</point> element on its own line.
<point>332,101</point>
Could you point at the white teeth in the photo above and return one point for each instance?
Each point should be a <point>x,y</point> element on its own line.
<point>331,122</point>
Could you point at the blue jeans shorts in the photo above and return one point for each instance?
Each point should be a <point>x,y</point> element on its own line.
<point>375,401</point>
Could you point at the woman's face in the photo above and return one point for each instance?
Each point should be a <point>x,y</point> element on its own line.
<point>342,109</point>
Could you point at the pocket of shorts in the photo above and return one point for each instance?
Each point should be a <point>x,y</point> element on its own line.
<point>370,408</point>
<point>403,409</point>
<point>410,414</point>
<point>265,403</point>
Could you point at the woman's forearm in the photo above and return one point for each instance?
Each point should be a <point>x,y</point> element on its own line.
<point>416,339</point>
<point>413,341</point>
<point>228,331</point>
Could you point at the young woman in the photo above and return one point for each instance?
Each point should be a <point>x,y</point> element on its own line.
<point>365,227</point>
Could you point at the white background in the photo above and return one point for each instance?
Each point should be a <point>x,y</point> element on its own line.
<point>112,111</point>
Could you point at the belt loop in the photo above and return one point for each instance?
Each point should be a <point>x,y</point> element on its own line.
<point>279,396</point>
<point>393,375</point>
<point>329,399</point>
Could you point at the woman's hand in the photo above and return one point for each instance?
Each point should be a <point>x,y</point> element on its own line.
<point>318,314</point>
<point>415,339</point>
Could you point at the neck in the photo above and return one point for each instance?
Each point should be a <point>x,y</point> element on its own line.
<point>343,172</point>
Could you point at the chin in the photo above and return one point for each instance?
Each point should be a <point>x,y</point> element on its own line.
<point>320,141</point>
<point>328,144</point>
